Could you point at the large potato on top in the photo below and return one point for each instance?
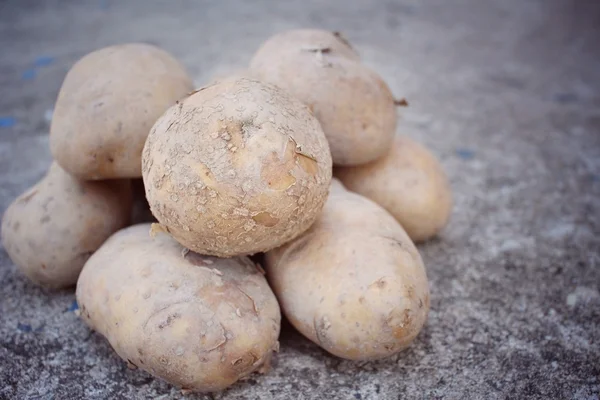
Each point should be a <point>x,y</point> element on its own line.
<point>353,104</point>
<point>106,106</point>
<point>409,183</point>
<point>198,322</point>
<point>354,283</point>
<point>237,168</point>
<point>52,229</point>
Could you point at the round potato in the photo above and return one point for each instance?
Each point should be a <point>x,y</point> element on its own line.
<point>409,183</point>
<point>237,168</point>
<point>198,322</point>
<point>52,229</point>
<point>107,104</point>
<point>353,104</point>
<point>354,283</point>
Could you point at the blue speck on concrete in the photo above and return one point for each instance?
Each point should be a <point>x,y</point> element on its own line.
<point>74,306</point>
<point>28,74</point>
<point>565,98</point>
<point>104,4</point>
<point>43,61</point>
<point>24,327</point>
<point>7,122</point>
<point>465,154</point>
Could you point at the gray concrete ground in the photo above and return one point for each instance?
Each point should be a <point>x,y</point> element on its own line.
<point>506,93</point>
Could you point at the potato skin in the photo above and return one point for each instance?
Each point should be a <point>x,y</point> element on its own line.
<point>107,105</point>
<point>409,183</point>
<point>198,322</point>
<point>353,104</point>
<point>237,168</point>
<point>308,39</point>
<point>51,230</point>
<point>354,283</point>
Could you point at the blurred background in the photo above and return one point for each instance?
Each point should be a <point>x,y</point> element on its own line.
<point>505,93</point>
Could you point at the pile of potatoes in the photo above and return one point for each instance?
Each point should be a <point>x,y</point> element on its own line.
<point>242,166</point>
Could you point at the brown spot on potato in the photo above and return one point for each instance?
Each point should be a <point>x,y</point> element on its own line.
<point>203,170</point>
<point>27,196</point>
<point>169,320</point>
<point>276,171</point>
<point>265,219</point>
<point>234,129</point>
<point>400,330</point>
<point>379,283</point>
<point>401,102</point>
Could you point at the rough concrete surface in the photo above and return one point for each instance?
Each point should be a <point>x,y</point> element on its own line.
<point>506,93</point>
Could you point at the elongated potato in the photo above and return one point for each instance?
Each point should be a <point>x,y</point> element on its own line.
<point>353,104</point>
<point>354,283</point>
<point>52,229</point>
<point>237,168</point>
<point>107,104</point>
<point>198,322</point>
<point>409,183</point>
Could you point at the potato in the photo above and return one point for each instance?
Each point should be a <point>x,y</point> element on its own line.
<point>237,168</point>
<point>52,229</point>
<point>354,283</point>
<point>198,322</point>
<point>409,183</point>
<point>107,104</point>
<point>353,104</point>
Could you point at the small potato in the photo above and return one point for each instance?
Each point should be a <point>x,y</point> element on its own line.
<point>198,322</point>
<point>354,283</point>
<point>353,104</point>
<point>237,168</point>
<point>107,105</point>
<point>409,183</point>
<point>52,229</point>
